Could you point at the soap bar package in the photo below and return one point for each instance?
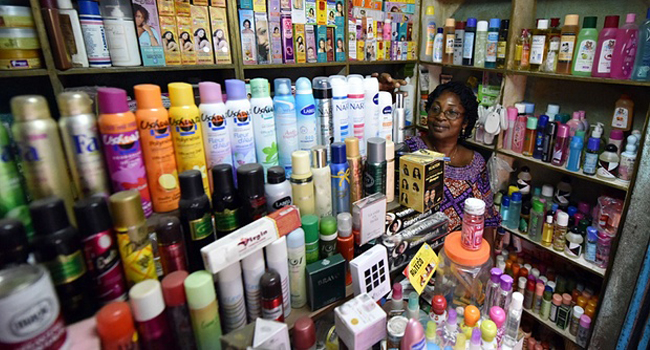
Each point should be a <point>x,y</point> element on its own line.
<point>188,54</point>
<point>326,281</point>
<point>421,180</point>
<point>310,38</point>
<point>170,40</point>
<point>150,40</point>
<point>259,5</point>
<point>262,35</point>
<point>368,218</point>
<point>360,323</point>
<point>402,246</point>
<point>299,44</point>
<point>248,41</point>
<point>220,37</point>
<point>182,8</point>
<point>287,39</point>
<point>276,37</point>
<point>202,42</point>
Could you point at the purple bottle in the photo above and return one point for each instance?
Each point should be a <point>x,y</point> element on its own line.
<point>624,54</point>
<point>121,142</point>
<point>148,307</point>
<point>505,290</point>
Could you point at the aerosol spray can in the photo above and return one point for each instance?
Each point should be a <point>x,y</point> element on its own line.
<point>80,134</point>
<point>39,144</point>
<point>356,107</point>
<point>340,118</point>
<point>13,201</point>
<point>323,99</point>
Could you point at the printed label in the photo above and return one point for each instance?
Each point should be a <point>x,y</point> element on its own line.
<point>591,162</point>
<point>501,49</point>
<point>103,262</point>
<point>449,43</point>
<point>537,49</point>
<point>585,56</point>
<point>567,42</point>
<point>491,47</point>
<point>137,254</point>
<point>227,220</point>
<point>607,169</point>
<point>468,45</point>
<point>620,118</point>
<point>606,53</point>
<point>66,268</point>
<point>201,228</point>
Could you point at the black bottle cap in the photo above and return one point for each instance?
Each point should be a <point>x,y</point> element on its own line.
<point>191,184</point>
<point>48,216</point>
<point>92,216</point>
<point>275,175</point>
<point>551,128</point>
<point>14,248</point>
<point>611,148</point>
<point>271,284</point>
<point>250,180</point>
<point>168,230</point>
<point>505,23</point>
<point>222,180</point>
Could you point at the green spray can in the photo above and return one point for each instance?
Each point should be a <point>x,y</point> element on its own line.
<point>13,202</point>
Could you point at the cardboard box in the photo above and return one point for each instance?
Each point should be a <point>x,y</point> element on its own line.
<point>271,335</point>
<point>326,281</point>
<point>321,43</point>
<point>218,3</point>
<point>321,12</point>
<point>170,40</point>
<point>259,5</point>
<point>360,323</point>
<point>368,218</point>
<point>299,43</point>
<point>371,49</point>
<point>248,40</point>
<point>166,8</point>
<point>276,37</point>
<point>151,47</point>
<point>263,40</point>
<point>310,38</point>
<point>185,40</point>
<point>410,50</point>
<point>273,7</point>
<point>361,48</point>
<point>421,180</point>
<point>200,2</point>
<point>245,4</point>
<point>331,12</point>
<point>202,38</point>
<point>182,8</point>
<point>287,39</point>
<point>352,40</point>
<point>339,40</point>
<point>298,15</point>
<point>330,44</point>
<point>381,50</point>
<point>285,6</point>
<point>310,12</point>
<point>220,36</point>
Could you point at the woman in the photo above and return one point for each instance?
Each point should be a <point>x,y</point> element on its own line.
<point>147,36</point>
<point>220,42</point>
<point>186,42</point>
<point>452,113</point>
<point>169,42</point>
<point>201,40</point>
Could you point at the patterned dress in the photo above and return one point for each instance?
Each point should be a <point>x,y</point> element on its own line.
<point>460,183</point>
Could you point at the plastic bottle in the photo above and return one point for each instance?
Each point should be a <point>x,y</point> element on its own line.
<point>536,221</point>
<point>296,253</point>
<point>120,33</point>
<point>606,43</point>
<point>177,312</point>
<point>459,35</point>
<point>505,291</point>
<point>591,244</point>
<point>567,44</point>
<point>509,133</point>
<point>302,185</point>
<point>548,231</point>
<point>115,327</point>
<point>266,147</point>
<point>148,307</point>
<point>231,295</point>
<point>492,43</point>
<point>468,42</point>
<point>306,115</point>
<point>574,241</point>
<point>590,164</point>
<point>356,109</point>
<point>413,336</point>
<point>492,289</point>
<point>538,45</point>
<point>432,336</point>
<point>204,312</point>
<point>73,32</point>
<point>480,43</point>
<point>277,189</point>
<point>157,147</point>
<point>519,134</point>
<point>253,268</point>
<point>486,336</point>
<point>196,217</point>
<point>625,50</point>
<point>242,138</point>
<point>187,131</point>
<point>514,212</point>
<point>522,51</point>
<point>616,139</point>
<point>371,111</point>
<point>575,153</point>
<point>340,122</point>
<point>502,45</point>
<point>628,158</point>
<point>584,331</point>
<point>120,137</point>
<point>512,321</point>
<point>448,41</point>
<point>539,137</point>
<point>586,45</point>
<point>286,122</point>
<point>225,201</point>
<point>438,46</point>
<point>561,146</point>
<point>505,208</point>
<point>385,108</point>
<point>529,138</point>
<point>560,230</point>
<point>548,146</point>
<point>608,162</point>
<point>94,34</point>
<point>450,329</point>
<point>642,62</point>
<point>529,292</point>
<point>574,124</point>
<point>429,35</point>
<point>553,39</point>
<point>623,113</point>
<point>276,259</point>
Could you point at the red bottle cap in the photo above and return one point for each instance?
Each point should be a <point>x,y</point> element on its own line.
<point>439,304</point>
<point>114,321</point>
<point>173,288</point>
<point>304,333</point>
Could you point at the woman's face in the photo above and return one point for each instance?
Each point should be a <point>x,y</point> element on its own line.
<point>169,36</point>
<point>139,18</point>
<point>201,34</point>
<point>440,126</point>
<point>185,36</point>
<point>247,24</point>
<point>220,34</point>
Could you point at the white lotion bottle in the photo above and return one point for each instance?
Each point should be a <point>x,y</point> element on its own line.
<point>253,267</point>
<point>297,264</point>
<point>341,121</point>
<point>322,181</point>
<point>371,107</point>
<point>71,27</point>
<point>277,189</point>
<point>277,259</point>
<point>356,106</point>
<point>231,298</point>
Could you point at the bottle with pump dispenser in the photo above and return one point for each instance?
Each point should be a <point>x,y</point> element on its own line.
<point>606,42</point>
<point>302,185</point>
<point>216,135</point>
<point>266,146</point>
<point>242,138</point>
<point>322,181</point>
<point>286,122</point>
<point>306,115</point>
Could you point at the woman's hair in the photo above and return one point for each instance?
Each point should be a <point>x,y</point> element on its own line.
<point>171,39</point>
<point>196,34</point>
<point>145,13</point>
<point>247,21</point>
<point>467,100</point>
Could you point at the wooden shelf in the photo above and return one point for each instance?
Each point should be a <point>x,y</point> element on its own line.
<point>314,315</point>
<point>141,69</point>
<point>294,65</point>
<point>472,68</point>
<point>379,63</point>
<point>580,261</point>
<point>562,332</point>
<point>617,184</point>
<point>23,73</point>
<point>577,78</point>
<point>471,142</point>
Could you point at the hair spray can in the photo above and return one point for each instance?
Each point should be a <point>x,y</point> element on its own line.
<point>323,99</point>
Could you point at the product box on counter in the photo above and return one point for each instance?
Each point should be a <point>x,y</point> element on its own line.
<point>421,177</point>
<point>360,323</point>
<point>403,245</point>
<point>326,281</point>
<point>310,37</point>
<point>368,218</point>
<point>220,36</point>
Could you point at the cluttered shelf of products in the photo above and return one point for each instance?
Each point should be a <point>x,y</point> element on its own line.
<point>565,333</point>
<point>142,69</point>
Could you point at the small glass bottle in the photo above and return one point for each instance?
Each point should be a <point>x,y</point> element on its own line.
<point>591,244</point>
<point>473,223</point>
<point>538,45</point>
<point>522,51</point>
<point>575,319</point>
<point>529,139</point>
<point>547,233</point>
<point>559,234</point>
<point>502,45</point>
<point>552,47</point>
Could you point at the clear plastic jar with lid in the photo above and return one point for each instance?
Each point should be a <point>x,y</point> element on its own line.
<point>473,223</point>
<point>462,274</point>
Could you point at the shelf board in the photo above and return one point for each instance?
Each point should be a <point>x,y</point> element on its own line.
<point>141,69</point>
<point>577,78</point>
<point>379,63</point>
<point>314,315</point>
<point>23,73</point>
<point>617,184</point>
<point>294,65</point>
<point>471,142</point>
<point>472,68</point>
<point>562,332</point>
<point>581,262</point>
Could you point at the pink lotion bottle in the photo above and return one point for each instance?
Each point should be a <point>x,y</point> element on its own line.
<point>625,50</point>
<point>498,316</point>
<point>575,124</point>
<point>606,43</point>
<point>519,134</point>
<point>512,119</point>
<point>561,148</point>
<point>148,307</point>
<point>413,336</point>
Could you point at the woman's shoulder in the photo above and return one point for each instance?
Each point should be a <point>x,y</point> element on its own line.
<point>472,171</point>
<point>415,143</point>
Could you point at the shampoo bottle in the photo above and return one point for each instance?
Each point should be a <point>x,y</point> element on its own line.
<point>449,34</point>
<point>567,44</point>
<point>585,51</point>
<point>625,50</point>
<point>606,42</point>
<point>266,147</point>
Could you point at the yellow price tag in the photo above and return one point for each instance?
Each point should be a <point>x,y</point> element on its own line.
<point>421,268</point>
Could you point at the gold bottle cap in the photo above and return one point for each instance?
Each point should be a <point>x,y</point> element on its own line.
<point>450,22</point>
<point>74,103</point>
<point>29,107</point>
<point>571,20</point>
<point>352,147</point>
<point>126,207</point>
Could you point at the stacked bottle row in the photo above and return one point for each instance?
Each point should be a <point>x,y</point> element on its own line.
<point>617,53</point>
<point>554,138</point>
<point>20,47</point>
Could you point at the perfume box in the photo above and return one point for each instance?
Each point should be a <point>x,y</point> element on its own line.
<point>185,40</point>
<point>182,8</point>
<point>370,272</point>
<point>220,36</point>
<point>339,36</point>
<point>369,218</point>
<point>331,12</point>
<point>310,12</point>
<point>330,44</point>
<point>352,40</point>
<point>200,2</point>
<point>169,31</point>
<point>421,176</point>
<point>245,4</point>
<point>202,37</point>
<point>259,5</point>
<point>360,323</point>
<point>298,15</point>
<point>326,281</point>
<point>321,12</point>
<point>288,52</point>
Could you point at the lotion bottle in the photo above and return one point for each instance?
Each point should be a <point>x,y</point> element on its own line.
<point>322,181</point>
<point>277,189</point>
<point>72,30</point>
<point>302,185</point>
<point>120,33</point>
